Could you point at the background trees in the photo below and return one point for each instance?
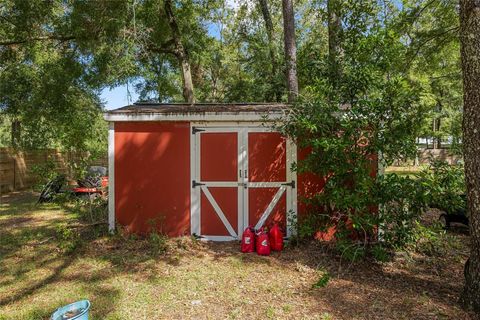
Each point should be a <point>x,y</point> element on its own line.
<point>45,89</point>
<point>211,50</point>
<point>362,104</point>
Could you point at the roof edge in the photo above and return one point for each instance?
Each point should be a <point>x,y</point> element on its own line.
<point>195,116</point>
<point>198,112</point>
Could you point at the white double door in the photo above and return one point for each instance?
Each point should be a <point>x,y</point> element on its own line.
<point>241,176</point>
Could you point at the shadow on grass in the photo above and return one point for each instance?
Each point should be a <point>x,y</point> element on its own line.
<point>360,290</point>
<point>28,242</point>
<point>54,276</point>
<point>425,287</point>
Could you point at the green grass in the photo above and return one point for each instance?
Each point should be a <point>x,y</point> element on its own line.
<point>124,278</point>
<point>156,278</point>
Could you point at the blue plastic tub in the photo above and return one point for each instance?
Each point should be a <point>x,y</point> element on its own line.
<point>74,311</point>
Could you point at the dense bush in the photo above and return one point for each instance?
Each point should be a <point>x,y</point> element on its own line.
<point>401,201</point>
<point>445,185</point>
<point>396,225</point>
<point>43,173</point>
<point>343,145</point>
<point>368,114</point>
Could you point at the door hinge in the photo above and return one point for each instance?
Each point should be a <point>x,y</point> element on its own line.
<point>291,184</point>
<point>196,184</point>
<point>195,130</point>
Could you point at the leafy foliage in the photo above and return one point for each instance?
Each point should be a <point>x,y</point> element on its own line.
<point>374,109</point>
<point>402,200</point>
<point>445,186</point>
<point>57,56</point>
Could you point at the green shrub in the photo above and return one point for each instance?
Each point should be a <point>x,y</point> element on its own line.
<point>91,209</point>
<point>43,173</point>
<point>434,240</point>
<point>309,224</point>
<point>445,185</point>
<point>401,202</point>
<point>158,242</point>
<point>322,281</point>
<point>68,238</point>
<point>379,253</point>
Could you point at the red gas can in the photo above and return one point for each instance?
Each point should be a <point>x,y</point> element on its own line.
<point>276,238</point>
<point>248,240</point>
<point>263,243</point>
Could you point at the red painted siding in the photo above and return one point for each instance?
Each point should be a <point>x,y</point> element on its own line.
<point>266,157</point>
<point>267,162</point>
<point>152,176</point>
<point>219,156</point>
<point>308,185</point>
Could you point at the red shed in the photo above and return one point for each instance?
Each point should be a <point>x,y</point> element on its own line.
<point>204,169</point>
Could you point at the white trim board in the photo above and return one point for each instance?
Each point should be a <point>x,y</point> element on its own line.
<point>217,238</point>
<point>206,116</point>
<point>111,177</point>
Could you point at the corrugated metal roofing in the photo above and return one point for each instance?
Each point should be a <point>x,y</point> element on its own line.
<point>183,108</point>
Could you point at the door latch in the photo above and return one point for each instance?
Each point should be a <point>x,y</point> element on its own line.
<point>290,184</point>
<point>195,130</point>
<point>196,184</point>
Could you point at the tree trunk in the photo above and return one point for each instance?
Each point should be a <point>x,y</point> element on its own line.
<point>470,53</point>
<point>188,94</point>
<point>181,54</point>
<point>290,49</point>
<point>271,47</point>
<point>16,133</point>
<point>335,52</point>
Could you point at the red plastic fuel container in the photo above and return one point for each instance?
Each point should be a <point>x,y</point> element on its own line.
<point>276,238</point>
<point>262,243</point>
<point>248,240</point>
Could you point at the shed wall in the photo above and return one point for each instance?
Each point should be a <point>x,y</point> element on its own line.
<point>152,176</point>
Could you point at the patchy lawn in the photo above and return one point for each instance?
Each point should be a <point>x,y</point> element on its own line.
<point>126,278</point>
<point>405,170</point>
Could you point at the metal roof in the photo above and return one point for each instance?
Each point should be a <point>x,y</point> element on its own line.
<point>198,107</point>
<point>197,111</point>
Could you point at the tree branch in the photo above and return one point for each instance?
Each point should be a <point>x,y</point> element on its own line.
<point>416,48</point>
<point>44,38</point>
<point>167,47</point>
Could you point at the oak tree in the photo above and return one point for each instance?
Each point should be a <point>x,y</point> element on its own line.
<point>470,52</point>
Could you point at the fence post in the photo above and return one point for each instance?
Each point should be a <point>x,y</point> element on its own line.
<point>14,173</point>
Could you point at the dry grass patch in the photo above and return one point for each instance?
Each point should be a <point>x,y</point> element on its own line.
<point>128,278</point>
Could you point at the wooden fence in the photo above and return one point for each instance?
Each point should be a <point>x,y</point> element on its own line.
<point>424,156</point>
<point>16,166</point>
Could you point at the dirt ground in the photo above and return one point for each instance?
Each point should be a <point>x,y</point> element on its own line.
<point>128,278</point>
